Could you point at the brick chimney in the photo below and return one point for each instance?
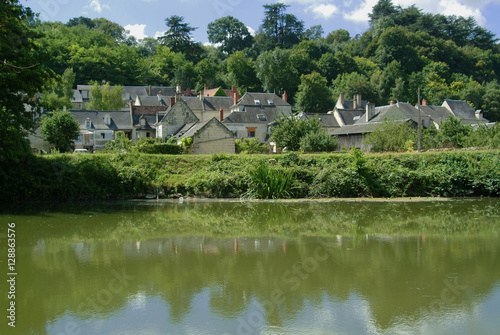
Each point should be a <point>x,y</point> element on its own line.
<point>359,100</point>
<point>172,101</point>
<point>355,102</point>
<point>285,96</point>
<point>424,102</point>
<point>341,99</point>
<point>177,93</point>
<point>221,114</point>
<point>392,102</point>
<point>235,98</point>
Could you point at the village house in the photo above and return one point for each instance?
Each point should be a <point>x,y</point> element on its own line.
<point>252,115</point>
<point>430,116</point>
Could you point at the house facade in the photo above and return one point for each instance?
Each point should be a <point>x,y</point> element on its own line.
<point>252,115</point>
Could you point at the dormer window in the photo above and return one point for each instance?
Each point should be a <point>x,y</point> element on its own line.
<point>261,117</point>
<point>88,123</point>
<point>143,122</point>
<point>107,120</point>
<point>257,101</point>
<point>270,102</point>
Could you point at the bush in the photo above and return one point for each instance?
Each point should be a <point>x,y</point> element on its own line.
<point>318,142</point>
<point>270,183</point>
<point>251,146</point>
<point>154,146</point>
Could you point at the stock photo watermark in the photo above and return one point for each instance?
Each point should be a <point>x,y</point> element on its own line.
<point>50,8</point>
<point>291,279</point>
<point>224,7</point>
<point>118,282</point>
<point>11,274</point>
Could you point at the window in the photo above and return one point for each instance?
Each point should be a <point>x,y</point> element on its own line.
<point>257,101</point>
<point>107,120</point>
<point>148,134</point>
<point>88,123</point>
<point>261,117</point>
<point>271,102</point>
<point>103,135</point>
<point>251,131</point>
<point>143,122</point>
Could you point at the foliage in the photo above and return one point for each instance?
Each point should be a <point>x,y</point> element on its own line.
<point>270,182</point>
<point>279,29</point>
<point>231,33</point>
<point>453,133</point>
<point>287,132</point>
<point>105,98</point>
<point>391,136</point>
<point>121,143</point>
<point>313,95</point>
<point>58,92</point>
<point>318,142</point>
<point>250,146</point>
<point>60,129</point>
<point>178,38</point>
<point>187,144</point>
<point>22,75</point>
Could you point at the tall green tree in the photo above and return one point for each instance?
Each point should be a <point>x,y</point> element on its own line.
<point>178,38</point>
<point>105,98</point>
<point>241,71</point>
<point>231,33</point>
<point>280,29</point>
<point>22,75</point>
<point>383,8</point>
<point>288,132</point>
<point>314,95</point>
<point>60,129</point>
<point>276,71</point>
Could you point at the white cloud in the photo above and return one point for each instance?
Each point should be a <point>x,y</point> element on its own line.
<point>251,30</point>
<point>159,34</point>
<point>324,11</point>
<point>360,14</point>
<point>96,6</point>
<point>136,30</point>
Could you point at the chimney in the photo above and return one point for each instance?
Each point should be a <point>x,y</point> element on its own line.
<point>359,100</point>
<point>235,98</point>
<point>149,90</point>
<point>172,101</point>
<point>159,96</point>
<point>341,99</point>
<point>355,102</point>
<point>205,89</point>
<point>177,93</point>
<point>285,96</point>
<point>392,102</point>
<point>479,114</point>
<point>221,114</point>
<point>424,102</point>
<point>201,95</point>
<point>370,111</point>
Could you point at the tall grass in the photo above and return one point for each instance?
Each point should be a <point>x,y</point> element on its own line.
<point>270,183</point>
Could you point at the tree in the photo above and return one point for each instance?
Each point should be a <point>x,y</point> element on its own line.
<point>383,8</point>
<point>392,136</point>
<point>313,95</point>
<point>231,33</point>
<point>178,38</point>
<point>60,129</point>
<point>453,133</point>
<point>281,29</point>
<point>318,142</point>
<point>354,83</point>
<point>22,75</point>
<point>276,71</point>
<point>105,98</point>
<point>314,33</point>
<point>59,91</point>
<point>241,71</point>
<point>288,131</point>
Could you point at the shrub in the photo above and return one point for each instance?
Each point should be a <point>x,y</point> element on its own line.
<point>270,183</point>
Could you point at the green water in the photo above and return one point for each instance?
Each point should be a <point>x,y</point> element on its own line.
<point>331,267</point>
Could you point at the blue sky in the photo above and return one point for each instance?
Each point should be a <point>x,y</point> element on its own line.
<point>147,17</point>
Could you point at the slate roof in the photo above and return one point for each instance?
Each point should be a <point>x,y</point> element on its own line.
<point>165,91</point>
<point>250,97</point>
<point>152,101</point>
<point>120,120</point>
<point>397,112</point>
<point>461,109</point>
<point>349,104</point>
<point>436,113</point>
<point>350,116</point>
<point>189,130</point>
<point>150,121</point>
<point>262,115</point>
<point>210,103</point>
<point>328,120</point>
<point>355,129</point>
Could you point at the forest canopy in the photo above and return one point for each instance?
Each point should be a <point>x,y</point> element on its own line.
<point>404,48</point>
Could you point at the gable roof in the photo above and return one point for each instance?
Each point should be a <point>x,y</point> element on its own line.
<point>259,115</point>
<point>209,103</point>
<point>190,130</point>
<point>120,120</point>
<point>265,99</point>
<point>461,109</point>
<point>152,101</point>
<point>436,113</point>
<point>328,120</point>
<point>350,116</point>
<point>398,112</point>
<point>179,106</point>
<point>150,121</point>
<point>349,104</point>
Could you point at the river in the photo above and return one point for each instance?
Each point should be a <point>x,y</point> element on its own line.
<point>424,266</point>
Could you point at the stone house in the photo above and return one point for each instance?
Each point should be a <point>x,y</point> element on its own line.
<point>252,115</point>
<point>209,137</point>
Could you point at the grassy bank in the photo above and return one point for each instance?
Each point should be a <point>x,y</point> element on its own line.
<point>292,175</point>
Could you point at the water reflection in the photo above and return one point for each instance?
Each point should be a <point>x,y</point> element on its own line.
<point>128,271</point>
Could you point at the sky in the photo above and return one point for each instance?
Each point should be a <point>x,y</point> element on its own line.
<point>146,18</point>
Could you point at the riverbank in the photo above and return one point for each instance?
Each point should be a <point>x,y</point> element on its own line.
<point>292,176</point>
